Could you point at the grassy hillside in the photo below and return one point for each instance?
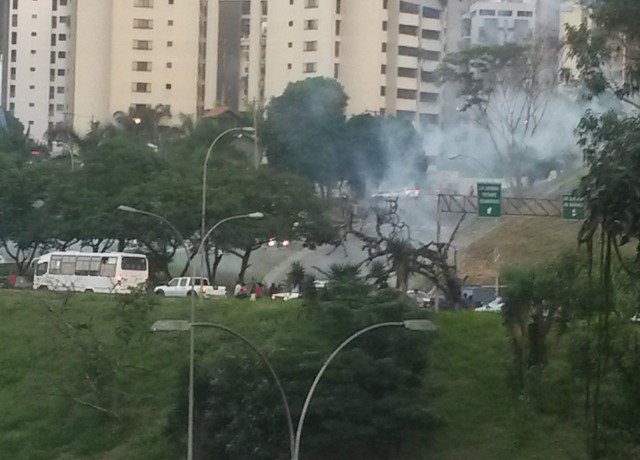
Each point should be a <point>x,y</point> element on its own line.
<point>41,371</point>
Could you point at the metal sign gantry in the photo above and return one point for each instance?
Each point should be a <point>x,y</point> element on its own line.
<point>468,204</point>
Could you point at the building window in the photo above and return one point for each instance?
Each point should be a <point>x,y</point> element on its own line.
<point>430,34</point>
<point>337,26</point>
<point>290,44</point>
<point>408,30</point>
<point>432,13</point>
<point>431,55</point>
<point>14,55</point>
<point>170,2</point>
<point>309,67</point>
<point>428,97</point>
<point>384,47</point>
<point>406,93</point>
<point>61,72</point>
<point>33,34</point>
<point>12,73</point>
<point>12,91</point>
<point>52,57</point>
<point>142,24</point>
<point>289,66</point>
<point>52,92</point>
<point>407,72</point>
<point>33,51</point>
<point>525,14</point>
<point>169,44</point>
<point>336,70</point>
<point>32,86</point>
<point>142,66</point>
<point>167,86</point>
<point>60,90</point>
<point>31,104</point>
<point>384,25</point>
<point>383,69</point>
<point>311,4</point>
<point>505,13</point>
<point>383,91</point>
<point>52,75</point>
<point>336,49</point>
<point>411,8</point>
<point>60,107</point>
<point>63,2</point>
<point>143,3</point>
<point>53,39</point>
<point>54,22</point>
<point>407,51</point>
<point>290,23</point>
<point>141,87</point>
<point>62,54</point>
<point>487,12</point>
<point>428,77</point>
<point>170,22</point>
<point>64,19</point>
<point>32,69</point>
<point>62,37</point>
<point>310,46</point>
<point>15,4</point>
<point>14,20</point>
<point>169,65</point>
<point>50,110</point>
<point>311,24</point>
<point>142,45</point>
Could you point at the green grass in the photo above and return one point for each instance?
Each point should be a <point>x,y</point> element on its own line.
<point>482,419</point>
<point>467,384</point>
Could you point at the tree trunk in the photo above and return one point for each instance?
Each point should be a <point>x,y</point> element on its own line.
<point>245,263</point>
<point>217,258</point>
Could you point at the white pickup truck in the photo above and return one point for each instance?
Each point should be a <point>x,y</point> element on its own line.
<point>187,286</point>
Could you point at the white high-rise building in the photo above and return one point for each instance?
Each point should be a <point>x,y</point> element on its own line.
<point>498,22</point>
<point>39,53</point>
<point>383,52</point>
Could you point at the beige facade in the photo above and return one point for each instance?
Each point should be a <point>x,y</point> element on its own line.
<point>384,53</point>
<point>142,53</point>
<point>38,60</point>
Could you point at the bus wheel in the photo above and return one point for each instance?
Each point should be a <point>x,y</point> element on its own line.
<point>43,288</point>
<point>88,290</point>
<point>160,292</point>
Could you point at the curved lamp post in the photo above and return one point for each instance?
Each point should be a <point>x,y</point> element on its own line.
<point>412,324</point>
<point>244,129</point>
<point>253,215</point>
<point>178,325</point>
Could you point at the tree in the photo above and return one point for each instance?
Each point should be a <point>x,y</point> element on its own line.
<point>303,128</point>
<point>507,89</point>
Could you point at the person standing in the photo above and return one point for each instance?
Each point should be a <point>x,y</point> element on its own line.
<point>12,280</point>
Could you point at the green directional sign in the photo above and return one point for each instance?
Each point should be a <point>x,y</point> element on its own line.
<point>489,198</point>
<point>572,207</point>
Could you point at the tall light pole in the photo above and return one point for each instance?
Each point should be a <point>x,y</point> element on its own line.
<point>422,325</point>
<point>178,325</point>
<point>244,129</point>
<point>253,215</point>
<point>412,324</point>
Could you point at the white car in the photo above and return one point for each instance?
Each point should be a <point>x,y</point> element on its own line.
<point>187,286</point>
<point>494,306</point>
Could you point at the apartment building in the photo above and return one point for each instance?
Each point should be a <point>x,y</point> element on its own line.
<point>498,22</point>
<point>38,53</point>
<point>383,52</point>
<point>142,53</point>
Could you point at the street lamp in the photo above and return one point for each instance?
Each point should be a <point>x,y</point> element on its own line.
<point>182,326</point>
<point>253,215</point>
<point>462,155</point>
<point>423,325</point>
<point>245,129</point>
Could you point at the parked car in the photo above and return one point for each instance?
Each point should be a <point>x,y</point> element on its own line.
<point>187,286</point>
<point>494,306</point>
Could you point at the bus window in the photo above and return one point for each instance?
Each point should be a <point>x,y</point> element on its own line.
<point>41,268</point>
<point>82,266</point>
<point>94,266</point>
<point>108,267</point>
<point>56,263</point>
<point>68,266</point>
<point>134,263</point>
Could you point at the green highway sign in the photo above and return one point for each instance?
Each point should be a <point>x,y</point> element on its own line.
<point>489,198</point>
<point>572,207</point>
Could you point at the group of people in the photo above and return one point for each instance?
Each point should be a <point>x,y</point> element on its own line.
<point>254,291</point>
